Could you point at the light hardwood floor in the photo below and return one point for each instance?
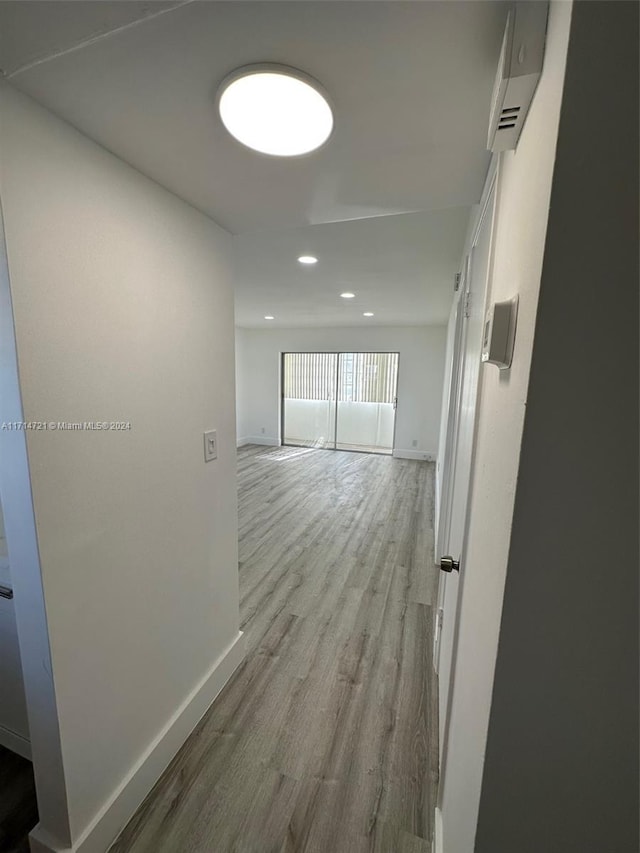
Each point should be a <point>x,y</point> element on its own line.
<point>325,739</point>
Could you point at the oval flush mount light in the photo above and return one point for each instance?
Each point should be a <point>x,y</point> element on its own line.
<point>307,259</point>
<point>269,317</point>
<point>275,110</point>
<point>368,314</point>
<point>347,295</point>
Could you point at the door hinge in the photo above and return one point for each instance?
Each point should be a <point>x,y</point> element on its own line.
<point>456,285</point>
<point>467,304</point>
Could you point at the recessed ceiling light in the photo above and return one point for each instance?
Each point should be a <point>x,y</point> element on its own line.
<point>307,259</point>
<point>368,314</point>
<point>347,295</point>
<point>269,317</point>
<point>275,109</point>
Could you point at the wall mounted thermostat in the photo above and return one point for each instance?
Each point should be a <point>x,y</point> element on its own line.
<point>499,333</point>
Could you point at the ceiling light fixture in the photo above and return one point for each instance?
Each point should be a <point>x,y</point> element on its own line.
<point>368,314</point>
<point>347,295</point>
<point>269,317</point>
<point>275,110</point>
<point>307,259</point>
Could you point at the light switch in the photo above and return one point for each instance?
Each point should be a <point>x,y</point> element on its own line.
<point>210,445</point>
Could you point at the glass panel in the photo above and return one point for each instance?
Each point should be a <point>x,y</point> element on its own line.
<point>309,398</point>
<point>367,389</point>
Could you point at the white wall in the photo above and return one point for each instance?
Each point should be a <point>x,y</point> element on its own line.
<point>421,366</point>
<point>123,310</point>
<point>523,193</point>
<point>561,767</point>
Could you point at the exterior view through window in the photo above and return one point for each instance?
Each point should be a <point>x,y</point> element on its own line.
<point>340,400</point>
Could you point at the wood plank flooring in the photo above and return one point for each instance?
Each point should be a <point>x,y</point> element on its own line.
<point>325,739</point>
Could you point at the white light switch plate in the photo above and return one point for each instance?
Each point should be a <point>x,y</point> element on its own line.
<point>210,445</point>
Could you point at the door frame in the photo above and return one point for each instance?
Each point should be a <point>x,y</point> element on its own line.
<point>453,404</point>
<point>448,466</point>
<point>338,353</point>
<point>490,192</point>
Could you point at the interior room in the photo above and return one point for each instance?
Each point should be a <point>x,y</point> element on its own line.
<point>310,342</point>
<point>401,271</point>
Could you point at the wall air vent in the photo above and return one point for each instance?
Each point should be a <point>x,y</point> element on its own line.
<point>518,72</point>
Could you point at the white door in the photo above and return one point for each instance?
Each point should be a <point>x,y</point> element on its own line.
<point>459,452</point>
<point>448,586</point>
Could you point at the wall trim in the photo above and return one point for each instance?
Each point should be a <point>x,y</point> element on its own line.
<point>15,742</point>
<point>423,455</point>
<point>437,845</point>
<point>259,439</point>
<point>123,802</point>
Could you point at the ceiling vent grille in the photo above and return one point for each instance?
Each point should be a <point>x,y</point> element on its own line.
<point>518,72</point>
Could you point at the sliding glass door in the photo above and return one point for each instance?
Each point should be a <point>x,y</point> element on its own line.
<point>309,398</point>
<point>367,384</point>
<point>340,401</point>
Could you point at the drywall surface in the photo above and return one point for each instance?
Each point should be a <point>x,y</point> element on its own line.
<point>420,374</point>
<point>242,392</point>
<point>561,769</point>
<point>123,310</point>
<point>523,192</point>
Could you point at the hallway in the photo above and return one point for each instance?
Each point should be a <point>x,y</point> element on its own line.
<point>326,737</point>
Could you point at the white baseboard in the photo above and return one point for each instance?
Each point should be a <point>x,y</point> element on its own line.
<point>15,742</point>
<point>41,842</point>
<point>423,455</point>
<point>259,439</point>
<point>438,843</point>
<point>122,804</point>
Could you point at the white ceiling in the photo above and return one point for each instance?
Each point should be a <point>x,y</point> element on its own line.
<point>400,267</point>
<point>410,82</point>
<point>35,31</point>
